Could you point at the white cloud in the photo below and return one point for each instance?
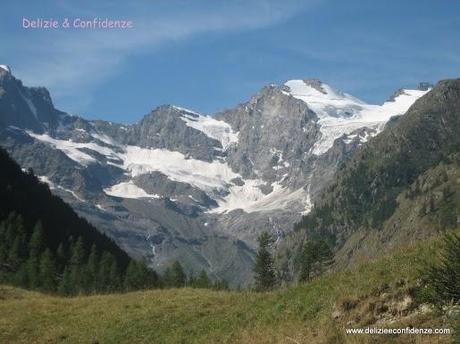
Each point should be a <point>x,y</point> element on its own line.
<point>68,61</point>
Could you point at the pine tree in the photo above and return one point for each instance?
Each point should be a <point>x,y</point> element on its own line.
<point>203,280</point>
<point>220,285</point>
<point>316,255</point>
<point>103,276</point>
<point>16,253</point>
<point>65,285</point>
<point>36,242</point>
<point>131,278</point>
<point>91,270</point>
<point>179,277</point>
<point>192,281</point>
<point>20,277</point>
<point>444,276</point>
<point>61,257</point>
<point>33,278</point>
<point>47,271</point>
<point>76,265</point>
<point>138,276</point>
<point>3,246</point>
<point>167,279</point>
<point>265,277</point>
<point>114,276</point>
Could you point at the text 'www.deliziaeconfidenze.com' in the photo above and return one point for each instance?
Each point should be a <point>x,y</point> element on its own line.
<point>398,331</point>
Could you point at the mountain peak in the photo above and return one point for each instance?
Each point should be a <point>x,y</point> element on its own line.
<point>187,111</point>
<point>307,86</point>
<point>5,68</point>
<point>314,90</point>
<point>316,84</point>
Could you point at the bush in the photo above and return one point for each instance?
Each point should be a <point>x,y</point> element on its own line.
<point>442,278</point>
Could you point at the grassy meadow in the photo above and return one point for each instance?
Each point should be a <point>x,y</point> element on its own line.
<point>300,314</point>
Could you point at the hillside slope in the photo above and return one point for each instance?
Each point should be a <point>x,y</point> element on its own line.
<point>45,245</point>
<point>318,312</point>
<point>399,187</point>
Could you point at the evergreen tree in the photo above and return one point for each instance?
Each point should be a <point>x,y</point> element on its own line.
<point>36,242</point>
<point>65,285</point>
<point>47,271</point>
<point>114,276</point>
<point>220,285</point>
<point>192,281</point>
<point>20,277</point>
<point>15,253</point>
<point>138,276</point>
<point>103,276</point>
<point>443,277</point>
<point>91,270</point>
<point>61,257</point>
<point>131,280</point>
<point>3,252</point>
<point>76,265</point>
<point>265,277</point>
<point>203,280</point>
<point>179,277</point>
<point>33,278</point>
<point>316,255</point>
<point>167,279</point>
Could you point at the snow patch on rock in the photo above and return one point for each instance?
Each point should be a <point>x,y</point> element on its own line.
<point>51,185</point>
<point>213,128</point>
<point>340,113</point>
<point>128,190</point>
<point>5,68</point>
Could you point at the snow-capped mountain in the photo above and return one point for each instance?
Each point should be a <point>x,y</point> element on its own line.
<point>340,113</point>
<point>182,185</point>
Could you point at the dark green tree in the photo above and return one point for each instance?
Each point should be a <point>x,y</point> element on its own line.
<point>179,276</point>
<point>315,256</point>
<point>114,276</point>
<point>202,281</point>
<point>16,253</point>
<point>76,265</point>
<point>32,268</point>
<point>138,276</point>
<point>61,257</point>
<point>220,285</point>
<point>47,271</point>
<point>443,276</point>
<point>265,276</point>
<point>174,276</point>
<point>167,279</point>
<point>103,275</point>
<point>91,270</point>
<point>36,242</point>
<point>65,285</point>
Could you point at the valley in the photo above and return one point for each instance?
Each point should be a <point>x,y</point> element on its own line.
<point>183,186</point>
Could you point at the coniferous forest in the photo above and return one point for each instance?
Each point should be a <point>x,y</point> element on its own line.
<point>45,245</point>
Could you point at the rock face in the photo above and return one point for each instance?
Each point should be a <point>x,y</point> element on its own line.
<point>400,188</point>
<point>199,189</point>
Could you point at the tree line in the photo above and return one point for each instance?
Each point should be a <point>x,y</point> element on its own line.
<point>78,268</point>
<point>74,267</point>
<point>314,257</point>
<point>45,245</point>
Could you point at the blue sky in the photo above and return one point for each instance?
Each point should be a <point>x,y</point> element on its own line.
<point>211,55</point>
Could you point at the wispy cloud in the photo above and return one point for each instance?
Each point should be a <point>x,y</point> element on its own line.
<point>66,61</point>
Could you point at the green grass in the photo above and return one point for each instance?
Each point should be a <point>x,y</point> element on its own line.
<point>299,314</point>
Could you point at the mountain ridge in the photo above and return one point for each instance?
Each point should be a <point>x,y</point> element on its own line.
<point>131,180</point>
<point>403,183</point>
